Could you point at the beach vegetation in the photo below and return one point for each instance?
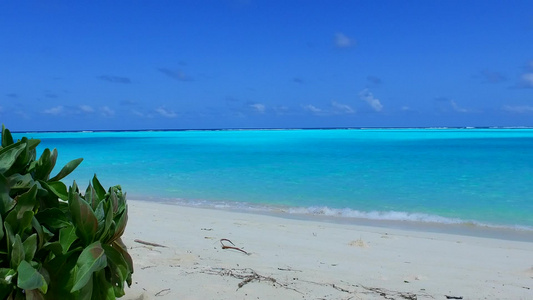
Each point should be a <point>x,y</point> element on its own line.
<point>58,242</point>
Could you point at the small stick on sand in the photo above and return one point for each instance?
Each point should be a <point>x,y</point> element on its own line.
<point>231,247</point>
<point>289,269</point>
<point>149,244</point>
<point>160,293</point>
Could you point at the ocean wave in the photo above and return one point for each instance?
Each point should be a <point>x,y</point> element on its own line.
<point>346,214</point>
<point>399,216</point>
<point>374,215</point>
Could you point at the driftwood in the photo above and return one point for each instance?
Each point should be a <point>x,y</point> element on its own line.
<point>162,292</point>
<point>289,270</point>
<point>246,276</point>
<point>149,243</point>
<point>224,246</point>
<point>386,294</point>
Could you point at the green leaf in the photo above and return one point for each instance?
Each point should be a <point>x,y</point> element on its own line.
<point>17,252</point>
<point>118,268</point>
<point>34,295</point>
<point>74,187</point>
<point>67,236</point>
<point>10,235</point>
<point>101,218</point>
<point>83,217</point>
<point>30,279</point>
<point>6,285</point>
<point>46,233</point>
<point>19,181</point>
<point>53,218</point>
<point>54,248</point>
<point>26,202</point>
<point>47,196</point>
<point>45,164</point>
<point>9,154</point>
<point>25,223</point>
<point>61,270</point>
<point>41,191</point>
<point>91,197</point>
<point>113,200</point>
<point>7,139</point>
<point>1,229</point>
<point>24,158</point>
<point>6,202</point>
<point>7,275</point>
<point>120,225</point>
<point>100,191</point>
<point>41,238</point>
<point>122,249</point>
<point>86,292</point>
<point>114,256</point>
<point>105,234</point>
<point>91,259</point>
<point>30,247</point>
<point>58,188</point>
<point>19,225</point>
<point>103,289</point>
<point>32,144</point>
<point>67,169</point>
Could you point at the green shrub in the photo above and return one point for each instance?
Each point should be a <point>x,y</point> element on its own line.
<point>57,243</point>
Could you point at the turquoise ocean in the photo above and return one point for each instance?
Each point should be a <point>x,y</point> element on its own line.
<point>446,177</point>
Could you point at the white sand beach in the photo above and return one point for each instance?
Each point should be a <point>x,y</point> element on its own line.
<point>299,259</point>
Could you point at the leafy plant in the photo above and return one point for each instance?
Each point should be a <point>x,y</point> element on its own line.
<point>57,243</point>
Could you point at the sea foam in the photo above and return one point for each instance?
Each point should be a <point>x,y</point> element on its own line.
<point>345,214</point>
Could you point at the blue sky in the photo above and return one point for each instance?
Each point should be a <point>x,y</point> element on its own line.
<point>81,65</point>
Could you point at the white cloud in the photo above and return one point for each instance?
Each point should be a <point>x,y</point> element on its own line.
<point>175,74</point>
<point>342,108</point>
<point>115,79</point>
<point>54,110</point>
<point>523,109</point>
<point>312,108</point>
<point>281,109</point>
<point>457,108</point>
<point>335,108</point>
<point>527,80</point>
<point>107,112</point>
<point>447,105</point>
<point>137,113</point>
<point>342,41</point>
<point>86,108</point>
<point>258,107</point>
<point>166,112</point>
<point>369,98</point>
<point>23,114</point>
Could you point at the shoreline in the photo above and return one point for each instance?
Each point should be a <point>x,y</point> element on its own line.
<point>461,229</point>
<point>455,226</point>
<point>308,259</point>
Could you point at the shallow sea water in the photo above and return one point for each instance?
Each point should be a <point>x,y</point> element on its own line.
<point>442,176</point>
